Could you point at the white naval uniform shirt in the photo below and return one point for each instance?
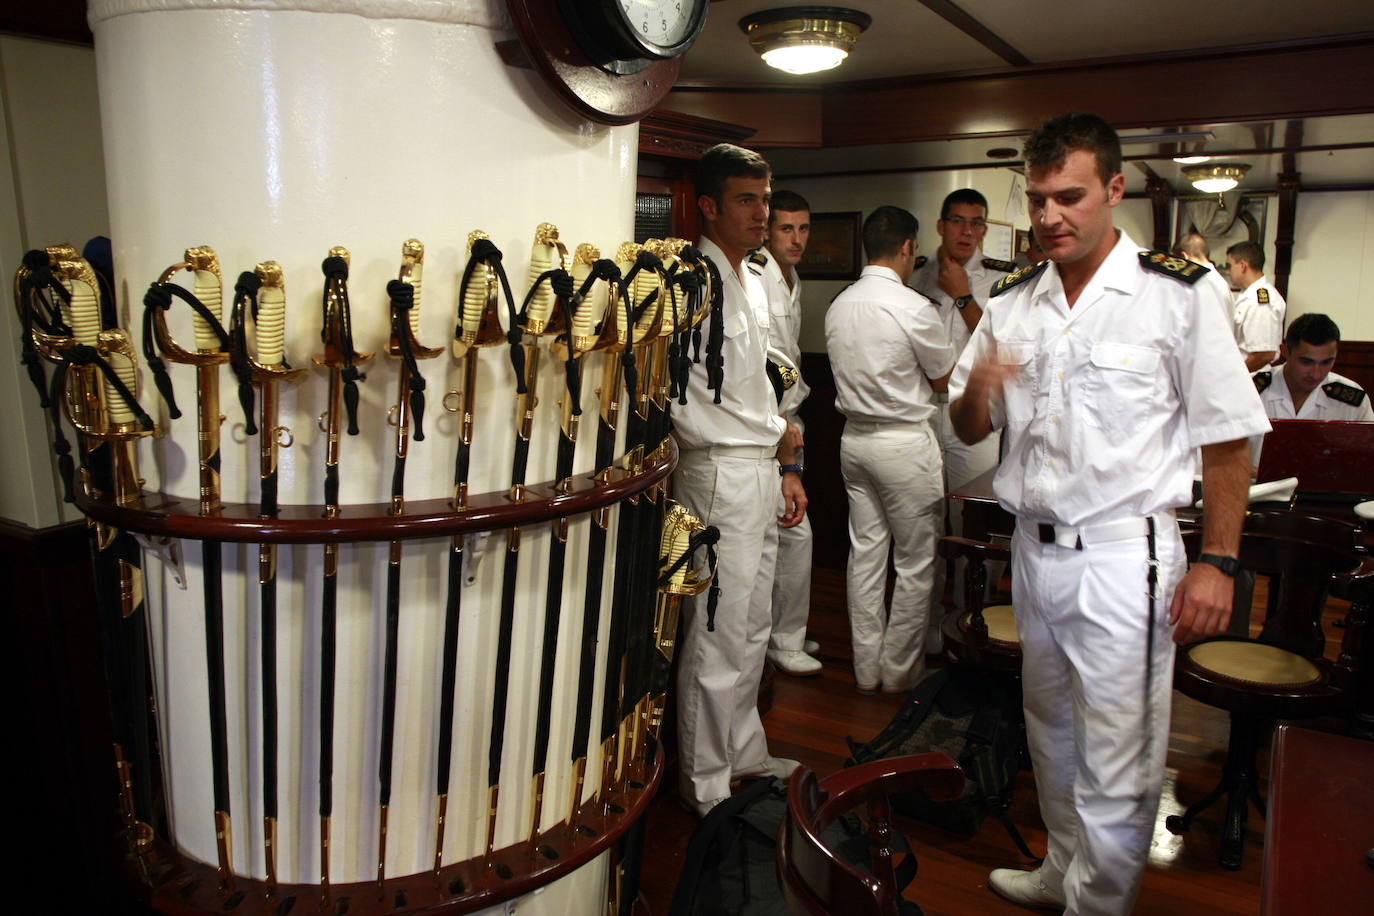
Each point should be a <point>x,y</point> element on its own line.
<point>784,326</point>
<point>926,280</point>
<point>1112,396</point>
<point>748,410</point>
<point>1278,402</point>
<point>1259,326</point>
<point>1217,283</point>
<point>884,340</point>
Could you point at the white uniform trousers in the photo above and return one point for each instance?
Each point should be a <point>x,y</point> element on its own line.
<point>892,475</point>
<point>963,462</point>
<point>1083,616</point>
<point>792,581</point>
<point>720,735</point>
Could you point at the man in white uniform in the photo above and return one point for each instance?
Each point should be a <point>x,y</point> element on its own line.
<point>789,228</point>
<point>889,351</point>
<point>958,279</point>
<point>1194,247</point>
<point>1305,388</point>
<point>1101,366</point>
<point>728,477</point>
<point>1259,309</point>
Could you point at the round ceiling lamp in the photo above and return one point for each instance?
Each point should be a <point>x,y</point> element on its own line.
<point>804,39</point>
<point>1191,160</point>
<point>1216,178</point>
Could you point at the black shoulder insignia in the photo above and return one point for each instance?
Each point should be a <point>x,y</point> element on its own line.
<point>1262,380</point>
<point>758,257</point>
<point>1262,296</point>
<point>1005,267</point>
<point>1172,266</point>
<point>1346,394</point>
<point>920,262</point>
<point>1021,276</point>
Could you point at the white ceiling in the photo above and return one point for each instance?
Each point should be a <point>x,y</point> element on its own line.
<point>906,38</point>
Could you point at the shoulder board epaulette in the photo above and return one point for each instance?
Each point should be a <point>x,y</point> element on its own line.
<point>758,257</point>
<point>1262,296</point>
<point>1346,394</point>
<point>1021,276</point>
<point>1172,266</point>
<point>1005,266</point>
<point>1262,380</point>
<point>920,262</point>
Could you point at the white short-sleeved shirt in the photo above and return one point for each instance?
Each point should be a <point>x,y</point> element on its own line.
<point>1113,395</point>
<point>1220,289</point>
<point>884,340</point>
<point>926,281</point>
<point>748,411</point>
<point>784,325</point>
<point>1258,317</point>
<point>1320,405</point>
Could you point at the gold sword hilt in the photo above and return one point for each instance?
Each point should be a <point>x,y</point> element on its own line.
<point>412,273</point>
<point>269,363</point>
<point>207,285</point>
<point>337,352</point>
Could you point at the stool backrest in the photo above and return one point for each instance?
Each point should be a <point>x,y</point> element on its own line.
<point>815,879</point>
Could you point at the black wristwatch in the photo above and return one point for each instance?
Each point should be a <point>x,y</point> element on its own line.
<point>962,301</point>
<point>1228,565</point>
<point>794,468</point>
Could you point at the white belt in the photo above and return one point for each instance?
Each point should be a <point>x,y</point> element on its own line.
<point>1076,538</point>
<point>761,452</point>
<point>942,397</point>
<point>868,426</point>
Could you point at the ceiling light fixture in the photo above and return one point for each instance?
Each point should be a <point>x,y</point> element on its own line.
<point>804,39</point>
<point>1215,179</point>
<point>1191,160</point>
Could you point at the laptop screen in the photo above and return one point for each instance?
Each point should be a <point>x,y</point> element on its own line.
<point>1335,457</point>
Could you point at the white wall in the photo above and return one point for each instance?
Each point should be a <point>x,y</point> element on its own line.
<point>1333,261</point>
<point>53,191</point>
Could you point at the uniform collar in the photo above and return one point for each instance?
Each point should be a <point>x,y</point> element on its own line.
<point>878,270</point>
<point>714,252</point>
<point>1119,271</point>
<point>1253,286</point>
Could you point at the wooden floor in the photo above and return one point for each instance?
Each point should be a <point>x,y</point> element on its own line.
<point>810,718</point>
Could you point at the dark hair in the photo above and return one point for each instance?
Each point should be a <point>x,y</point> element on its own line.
<point>963,196</point>
<point>790,201</point>
<point>1050,144</point>
<point>886,229</point>
<point>1248,252</point>
<point>1195,244</point>
<point>725,161</point>
<point>1313,328</point>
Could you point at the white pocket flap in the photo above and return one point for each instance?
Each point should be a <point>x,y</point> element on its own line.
<point>1126,357</point>
<point>1015,352</point>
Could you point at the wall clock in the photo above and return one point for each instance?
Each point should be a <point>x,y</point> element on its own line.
<point>611,60</point>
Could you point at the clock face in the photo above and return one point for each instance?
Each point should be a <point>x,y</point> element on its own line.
<point>662,28</point>
<point>661,23</point>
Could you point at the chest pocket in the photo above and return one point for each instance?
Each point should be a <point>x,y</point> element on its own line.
<point>1019,391</point>
<point>1121,385</point>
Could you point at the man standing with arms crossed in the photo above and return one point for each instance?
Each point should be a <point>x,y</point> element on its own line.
<point>889,352</point>
<point>1101,365</point>
<point>728,476</point>
<point>789,228</point>
<point>958,279</point>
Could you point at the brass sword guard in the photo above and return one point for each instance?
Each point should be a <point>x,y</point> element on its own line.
<point>204,263</point>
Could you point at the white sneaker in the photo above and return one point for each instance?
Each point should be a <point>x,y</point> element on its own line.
<point>1024,888</point>
<point>797,664</point>
<point>811,647</point>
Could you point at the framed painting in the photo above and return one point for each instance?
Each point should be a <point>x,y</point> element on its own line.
<point>835,249</point>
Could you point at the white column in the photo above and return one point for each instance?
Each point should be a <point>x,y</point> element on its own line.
<point>275,131</point>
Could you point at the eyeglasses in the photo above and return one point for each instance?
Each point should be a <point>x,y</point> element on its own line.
<point>959,222</point>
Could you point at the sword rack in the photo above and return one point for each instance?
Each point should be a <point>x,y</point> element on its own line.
<point>626,554</point>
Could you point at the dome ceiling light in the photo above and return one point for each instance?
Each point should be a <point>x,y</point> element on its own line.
<point>804,39</point>
<point>1216,178</point>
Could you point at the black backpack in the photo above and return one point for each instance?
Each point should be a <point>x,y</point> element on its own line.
<point>973,716</point>
<point>731,865</point>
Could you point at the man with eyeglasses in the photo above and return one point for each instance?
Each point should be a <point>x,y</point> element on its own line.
<point>958,278</point>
